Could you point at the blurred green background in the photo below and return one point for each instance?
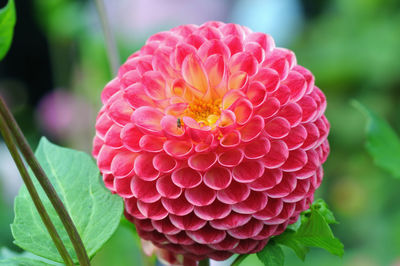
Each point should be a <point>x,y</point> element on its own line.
<point>57,67</point>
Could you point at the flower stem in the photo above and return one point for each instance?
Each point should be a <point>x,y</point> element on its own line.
<point>205,262</point>
<point>112,51</point>
<point>45,184</point>
<point>8,139</point>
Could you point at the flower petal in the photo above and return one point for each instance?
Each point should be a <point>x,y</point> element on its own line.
<point>186,178</point>
<point>167,188</point>
<point>217,178</point>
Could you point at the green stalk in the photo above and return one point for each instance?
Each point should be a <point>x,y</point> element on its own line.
<point>45,184</point>
<point>239,259</point>
<point>5,131</point>
<point>112,51</point>
<point>205,262</point>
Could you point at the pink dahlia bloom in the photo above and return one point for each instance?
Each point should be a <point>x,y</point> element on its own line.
<point>214,137</point>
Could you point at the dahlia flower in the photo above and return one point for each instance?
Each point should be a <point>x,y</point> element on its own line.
<point>214,138</point>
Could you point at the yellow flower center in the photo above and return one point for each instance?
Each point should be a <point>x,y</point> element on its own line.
<point>206,113</point>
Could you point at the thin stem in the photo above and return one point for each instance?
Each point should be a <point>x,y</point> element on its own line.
<point>5,131</point>
<point>45,184</point>
<point>112,51</point>
<point>205,262</point>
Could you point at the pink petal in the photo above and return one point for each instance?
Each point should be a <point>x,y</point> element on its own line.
<point>292,113</point>
<point>154,85</point>
<point>284,188</point>
<point>130,78</point>
<point>112,138</point>
<point>164,163</point>
<point>109,90</point>
<point>103,124</point>
<point>311,167</point>
<point>97,144</point>
<point>216,73</point>
<point>238,81</point>
<point>277,155</point>
<point>180,238</point>
<point>269,179</point>
<point>217,178</point>
<point>186,178</point>
<point>179,206</point>
<point>104,159</point>
<point>251,229</point>
<point>256,149</point>
<point>243,61</point>
<point>215,210</point>
<point>273,208</point>
<point>214,47</point>
<point>300,192</point>
<point>161,63</point>
<point>123,187</point>
<point>287,212</point>
<point>144,167</point>
<point>256,93</point>
<point>254,203</point>
<point>170,126</point>
<point>151,143</point>
<point>120,111</point>
<point>309,108</point>
<point>269,108</point>
<point>165,226</point>
<point>187,222</point>
<point>231,158</point>
<point>296,137</point>
<point>195,40</point>
<point>297,85</point>
<point>233,220</point>
<point>269,78</point>
<point>207,235</point>
<point>202,161</point>
<point>243,110</point>
<point>247,171</point>
<point>154,211</point>
<point>234,44</point>
<point>246,246</point>
<point>309,77</point>
<point>236,192</point>
<point>312,136</point>
<point>282,94</point>
<point>178,149</point>
<point>230,97</point>
<point>209,32</point>
<point>296,160</point>
<point>277,128</point>
<point>227,121</point>
<point>231,139</point>
<point>122,164</point>
<point>148,119</point>
<point>194,74</point>
<point>200,195</point>
<point>167,188</point>
<point>264,40</point>
<point>181,51</point>
<point>130,136</point>
<point>232,29</point>
<point>266,232</point>
<point>252,129</point>
<point>256,50</point>
<point>144,190</point>
<point>228,243</point>
<point>132,208</point>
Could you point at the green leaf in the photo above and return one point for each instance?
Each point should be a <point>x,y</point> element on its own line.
<point>321,206</point>
<point>7,23</point>
<point>21,261</point>
<point>95,211</point>
<point>9,257</point>
<point>383,143</point>
<point>271,255</point>
<point>314,231</point>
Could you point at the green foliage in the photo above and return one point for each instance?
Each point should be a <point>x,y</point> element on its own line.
<point>383,144</point>
<point>312,230</point>
<point>95,211</point>
<point>7,23</point>
<point>272,255</point>
<point>10,258</point>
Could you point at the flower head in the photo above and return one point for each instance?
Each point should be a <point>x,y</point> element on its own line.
<point>214,137</point>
